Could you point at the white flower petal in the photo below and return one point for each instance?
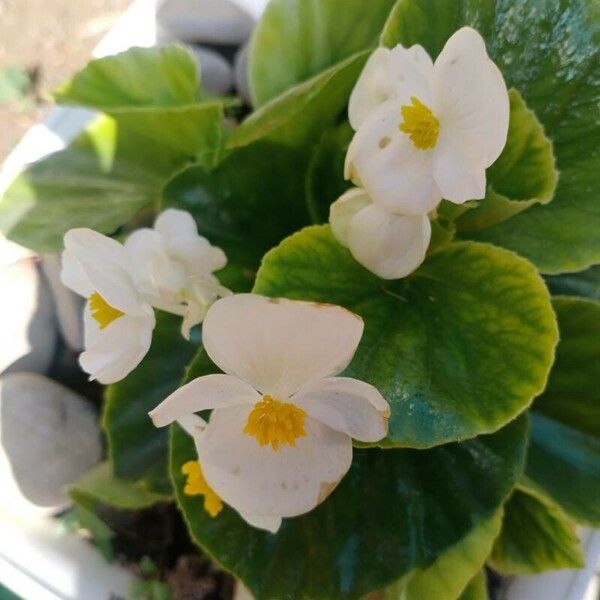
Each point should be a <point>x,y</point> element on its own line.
<point>346,405</point>
<point>73,276</point>
<point>395,74</point>
<point>173,223</point>
<point>116,350</point>
<point>106,266</point>
<point>372,88</point>
<point>410,73</point>
<point>459,177</point>
<point>155,273</point>
<point>256,480</point>
<point>192,424</point>
<point>389,245</point>
<point>470,98</point>
<point>211,391</point>
<point>278,345</point>
<point>392,170</point>
<point>271,524</point>
<point>343,210</point>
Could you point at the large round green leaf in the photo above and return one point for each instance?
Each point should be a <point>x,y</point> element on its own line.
<point>477,588</point>
<point>138,450</point>
<point>536,536</point>
<point>396,510</point>
<point>296,39</point>
<point>459,348</point>
<point>451,572</point>
<point>548,51</point>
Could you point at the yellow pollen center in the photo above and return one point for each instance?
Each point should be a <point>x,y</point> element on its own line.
<point>274,422</point>
<point>102,311</point>
<point>420,124</point>
<point>196,486</point>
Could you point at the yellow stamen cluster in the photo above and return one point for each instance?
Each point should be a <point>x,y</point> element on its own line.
<point>102,311</point>
<point>420,124</point>
<point>276,423</point>
<point>196,485</point>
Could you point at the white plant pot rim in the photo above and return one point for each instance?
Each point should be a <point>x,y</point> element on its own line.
<point>36,564</point>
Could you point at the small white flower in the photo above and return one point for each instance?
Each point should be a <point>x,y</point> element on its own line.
<point>118,321</point>
<point>389,245</point>
<point>174,265</point>
<point>427,131</point>
<point>279,438</point>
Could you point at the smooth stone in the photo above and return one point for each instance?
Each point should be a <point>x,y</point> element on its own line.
<point>214,72</point>
<point>240,70</point>
<point>67,305</point>
<point>27,320</point>
<point>49,435</point>
<point>204,21</point>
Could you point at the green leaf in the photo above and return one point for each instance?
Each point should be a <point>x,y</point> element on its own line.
<point>99,485</point>
<point>548,51</point>
<point>585,283</point>
<point>564,464</point>
<point>536,536</point>
<point>572,395</point>
<point>459,348</point>
<point>138,450</point>
<point>299,116</point>
<point>296,39</point>
<point>523,175</point>
<point>396,510</point>
<point>564,455</point>
<point>15,84</point>
<point>477,588</point>
<point>162,76</point>
<point>325,181</point>
<point>107,175</point>
<point>452,571</point>
<point>246,205</point>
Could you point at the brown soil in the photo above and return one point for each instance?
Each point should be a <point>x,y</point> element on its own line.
<point>51,39</point>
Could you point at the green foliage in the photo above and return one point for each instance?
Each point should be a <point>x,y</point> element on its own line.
<point>536,536</point>
<point>459,348</point>
<point>139,77</point>
<point>523,175</point>
<point>448,576</point>
<point>477,588</point>
<point>548,51</point>
<point>564,455</point>
<point>585,283</point>
<point>297,117</point>
<point>120,163</point>
<point>395,511</point>
<point>138,450</point>
<point>297,39</point>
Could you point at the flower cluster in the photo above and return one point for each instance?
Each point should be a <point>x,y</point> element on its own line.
<point>169,267</point>
<point>424,131</point>
<point>279,437</point>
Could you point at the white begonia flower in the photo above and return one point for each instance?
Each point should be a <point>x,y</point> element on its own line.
<point>174,265</point>
<point>387,244</point>
<point>118,321</point>
<point>279,438</point>
<point>427,131</point>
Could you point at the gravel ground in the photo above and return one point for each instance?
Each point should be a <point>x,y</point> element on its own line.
<point>48,40</point>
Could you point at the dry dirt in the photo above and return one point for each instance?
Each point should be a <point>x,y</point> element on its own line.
<point>50,39</point>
